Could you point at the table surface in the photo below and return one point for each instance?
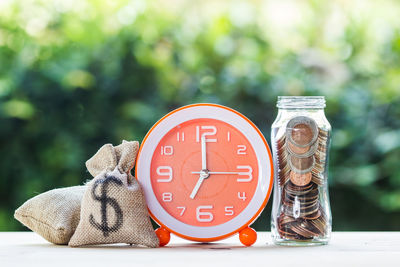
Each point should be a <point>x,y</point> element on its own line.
<point>345,248</point>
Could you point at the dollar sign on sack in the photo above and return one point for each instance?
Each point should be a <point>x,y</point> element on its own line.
<point>105,201</point>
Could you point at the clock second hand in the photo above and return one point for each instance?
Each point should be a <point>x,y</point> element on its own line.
<point>219,173</point>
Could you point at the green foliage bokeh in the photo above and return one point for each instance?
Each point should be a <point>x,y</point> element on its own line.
<point>75,74</point>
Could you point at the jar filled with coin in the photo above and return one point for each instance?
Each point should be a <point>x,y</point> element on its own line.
<point>301,213</point>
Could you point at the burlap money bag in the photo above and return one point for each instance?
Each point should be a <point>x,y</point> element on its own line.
<point>54,214</point>
<point>113,207</point>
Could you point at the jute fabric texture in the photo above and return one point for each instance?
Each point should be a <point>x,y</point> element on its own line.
<point>113,207</point>
<point>54,214</point>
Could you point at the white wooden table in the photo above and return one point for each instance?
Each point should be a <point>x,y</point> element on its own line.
<point>345,249</point>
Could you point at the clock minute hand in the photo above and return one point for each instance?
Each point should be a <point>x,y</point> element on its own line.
<point>204,172</point>
<point>203,153</point>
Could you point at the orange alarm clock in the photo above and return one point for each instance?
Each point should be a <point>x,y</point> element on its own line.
<point>206,172</point>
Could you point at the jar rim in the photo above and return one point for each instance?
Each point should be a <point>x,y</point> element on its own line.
<point>301,102</point>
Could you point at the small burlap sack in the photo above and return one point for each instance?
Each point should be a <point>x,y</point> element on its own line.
<point>113,207</point>
<point>54,214</point>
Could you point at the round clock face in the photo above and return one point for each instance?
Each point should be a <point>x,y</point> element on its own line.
<point>206,171</point>
<point>232,172</point>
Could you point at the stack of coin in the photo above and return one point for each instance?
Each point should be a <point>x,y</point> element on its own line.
<point>301,166</point>
<point>302,229</point>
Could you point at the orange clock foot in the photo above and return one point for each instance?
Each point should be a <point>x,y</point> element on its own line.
<point>163,235</point>
<point>248,236</point>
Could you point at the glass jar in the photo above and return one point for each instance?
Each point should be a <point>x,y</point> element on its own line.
<point>301,213</point>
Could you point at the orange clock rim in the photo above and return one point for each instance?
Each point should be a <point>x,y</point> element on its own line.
<point>271,174</point>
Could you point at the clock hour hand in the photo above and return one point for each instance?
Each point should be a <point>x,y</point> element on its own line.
<point>203,176</point>
<point>196,187</point>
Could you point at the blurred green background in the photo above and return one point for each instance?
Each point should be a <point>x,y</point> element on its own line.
<point>75,74</point>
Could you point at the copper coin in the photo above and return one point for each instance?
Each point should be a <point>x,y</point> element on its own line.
<point>303,231</point>
<point>298,150</point>
<point>318,168</point>
<point>302,131</point>
<point>283,179</point>
<point>281,142</point>
<point>301,165</point>
<point>300,179</point>
<point>303,207</point>
<point>295,190</point>
<point>302,134</point>
<point>287,234</point>
<point>306,224</point>
<point>302,152</point>
<point>287,200</point>
<point>282,158</point>
<point>283,165</point>
<point>313,216</point>
<point>313,194</point>
<point>306,199</point>
<point>301,211</point>
<point>283,219</point>
<point>320,157</point>
<point>283,174</point>
<point>323,133</point>
<point>319,225</point>
<point>316,178</point>
<point>302,228</point>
